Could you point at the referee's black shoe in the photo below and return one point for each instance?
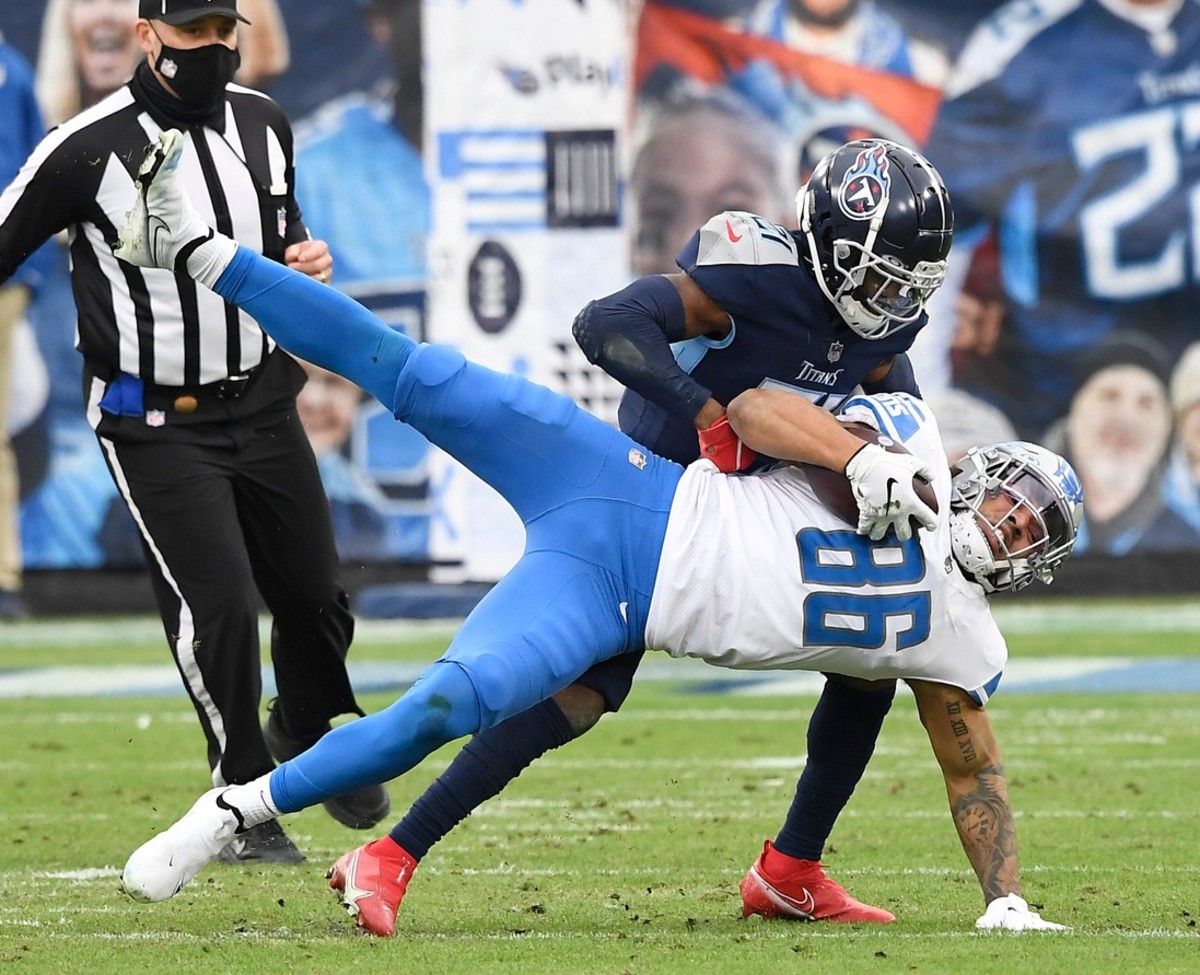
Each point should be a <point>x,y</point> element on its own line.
<point>360,809</point>
<point>264,843</point>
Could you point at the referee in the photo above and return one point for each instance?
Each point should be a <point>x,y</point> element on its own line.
<point>194,406</point>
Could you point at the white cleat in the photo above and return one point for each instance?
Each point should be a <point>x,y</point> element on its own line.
<point>161,866</point>
<point>162,221</point>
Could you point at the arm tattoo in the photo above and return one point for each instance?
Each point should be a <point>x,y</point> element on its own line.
<point>962,734</point>
<point>985,826</point>
<point>983,817</point>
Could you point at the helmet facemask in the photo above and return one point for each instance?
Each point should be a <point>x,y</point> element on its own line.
<point>878,295</point>
<point>1029,478</point>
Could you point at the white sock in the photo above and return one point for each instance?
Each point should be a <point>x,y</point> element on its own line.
<point>252,800</point>
<point>208,261</point>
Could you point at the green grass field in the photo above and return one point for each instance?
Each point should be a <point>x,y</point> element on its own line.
<point>622,853</point>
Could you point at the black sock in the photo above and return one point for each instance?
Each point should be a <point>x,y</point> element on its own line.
<point>841,740</point>
<point>486,764</point>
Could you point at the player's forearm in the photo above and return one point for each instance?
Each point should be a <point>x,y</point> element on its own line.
<point>969,755</point>
<point>786,426</point>
<point>984,820</point>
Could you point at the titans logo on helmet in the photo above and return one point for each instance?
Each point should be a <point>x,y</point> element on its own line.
<point>865,187</point>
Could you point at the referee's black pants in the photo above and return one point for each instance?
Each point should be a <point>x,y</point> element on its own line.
<point>222,521</point>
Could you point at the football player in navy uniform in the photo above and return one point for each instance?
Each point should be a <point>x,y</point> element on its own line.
<point>1068,129</point>
<point>627,551</point>
<point>818,312</point>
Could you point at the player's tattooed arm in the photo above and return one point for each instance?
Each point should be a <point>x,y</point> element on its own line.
<point>969,755</point>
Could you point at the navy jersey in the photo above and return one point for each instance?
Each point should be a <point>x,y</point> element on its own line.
<point>1077,133</point>
<point>784,335</point>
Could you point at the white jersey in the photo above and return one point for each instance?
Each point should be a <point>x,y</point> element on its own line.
<point>756,573</point>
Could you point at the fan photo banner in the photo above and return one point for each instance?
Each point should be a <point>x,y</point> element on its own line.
<point>481,179</point>
<point>819,89</point>
<point>526,102</point>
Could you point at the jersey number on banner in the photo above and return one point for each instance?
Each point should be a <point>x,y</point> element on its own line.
<point>1164,137</point>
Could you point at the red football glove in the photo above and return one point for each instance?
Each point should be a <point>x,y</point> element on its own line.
<point>721,445</point>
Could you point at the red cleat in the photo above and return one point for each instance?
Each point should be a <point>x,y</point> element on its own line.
<point>371,881</point>
<point>780,886</point>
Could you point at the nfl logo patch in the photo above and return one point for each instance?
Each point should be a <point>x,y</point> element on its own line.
<point>637,459</point>
<point>155,418</point>
<point>835,351</point>
<point>281,219</point>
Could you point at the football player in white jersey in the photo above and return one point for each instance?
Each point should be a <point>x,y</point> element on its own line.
<point>626,550</point>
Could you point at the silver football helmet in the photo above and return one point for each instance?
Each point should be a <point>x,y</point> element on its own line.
<point>877,220</point>
<point>1029,477</point>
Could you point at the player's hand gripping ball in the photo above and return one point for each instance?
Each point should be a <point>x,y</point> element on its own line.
<point>836,492</point>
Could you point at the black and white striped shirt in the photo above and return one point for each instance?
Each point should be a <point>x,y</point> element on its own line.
<point>153,324</point>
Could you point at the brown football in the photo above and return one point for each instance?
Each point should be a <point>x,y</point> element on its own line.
<point>833,489</point>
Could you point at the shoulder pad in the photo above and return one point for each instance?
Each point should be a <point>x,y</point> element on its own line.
<point>898,415</point>
<point>737,237</point>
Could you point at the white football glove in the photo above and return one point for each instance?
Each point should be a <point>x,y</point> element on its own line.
<point>882,484</point>
<point>1011,913</point>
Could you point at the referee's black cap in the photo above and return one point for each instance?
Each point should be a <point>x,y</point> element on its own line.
<point>175,12</point>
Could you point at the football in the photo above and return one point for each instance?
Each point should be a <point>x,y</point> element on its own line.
<point>833,488</point>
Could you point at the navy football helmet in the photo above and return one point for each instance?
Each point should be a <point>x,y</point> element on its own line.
<point>877,220</point>
<point>1027,476</point>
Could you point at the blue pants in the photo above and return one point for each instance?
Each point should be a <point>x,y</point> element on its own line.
<point>593,502</point>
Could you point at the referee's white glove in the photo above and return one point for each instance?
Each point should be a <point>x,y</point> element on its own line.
<point>883,486</point>
<point>1011,913</point>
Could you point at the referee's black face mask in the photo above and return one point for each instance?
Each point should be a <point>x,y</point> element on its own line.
<point>198,75</point>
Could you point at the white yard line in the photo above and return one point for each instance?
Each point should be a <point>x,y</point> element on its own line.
<point>1060,674</point>
<point>1037,616</point>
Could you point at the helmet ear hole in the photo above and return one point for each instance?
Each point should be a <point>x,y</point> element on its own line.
<point>842,250</point>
